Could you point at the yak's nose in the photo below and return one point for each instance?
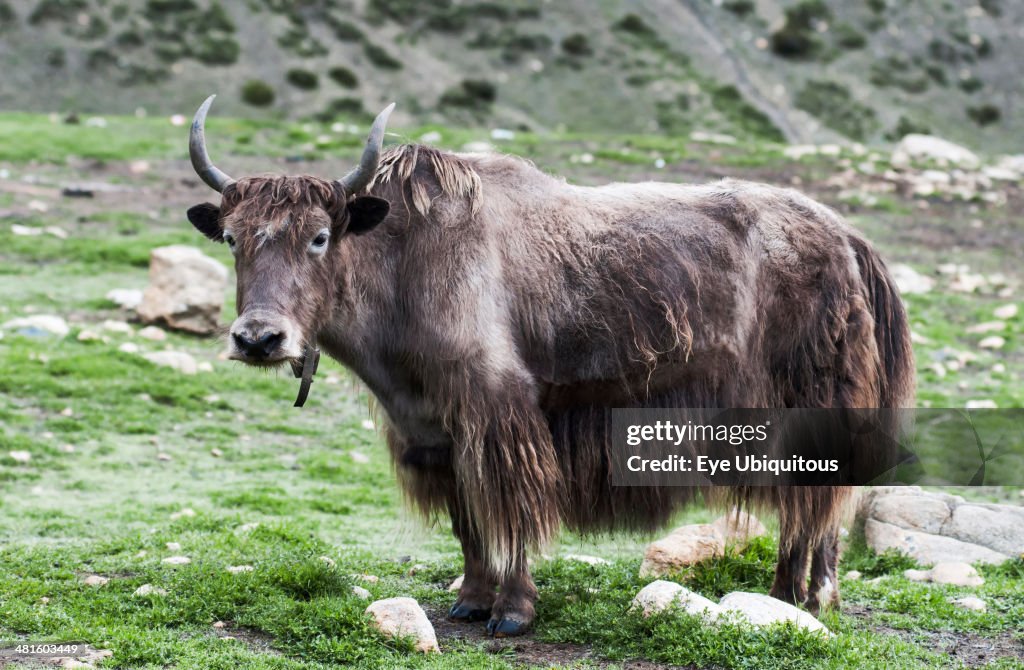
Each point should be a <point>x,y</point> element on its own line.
<point>260,346</point>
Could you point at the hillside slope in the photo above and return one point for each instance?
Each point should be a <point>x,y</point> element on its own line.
<point>806,70</point>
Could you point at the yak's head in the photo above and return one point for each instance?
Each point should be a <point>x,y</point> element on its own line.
<point>286,235</point>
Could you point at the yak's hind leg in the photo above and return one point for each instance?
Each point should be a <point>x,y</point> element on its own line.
<point>790,583</point>
<point>476,596</point>
<point>824,591</point>
<point>513,611</point>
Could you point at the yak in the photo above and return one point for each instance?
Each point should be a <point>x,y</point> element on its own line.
<point>498,315</point>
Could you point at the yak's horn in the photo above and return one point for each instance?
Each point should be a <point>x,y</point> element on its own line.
<point>206,170</point>
<point>361,175</point>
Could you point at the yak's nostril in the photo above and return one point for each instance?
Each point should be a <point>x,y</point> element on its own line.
<point>260,347</point>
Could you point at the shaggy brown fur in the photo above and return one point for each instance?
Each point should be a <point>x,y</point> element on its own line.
<point>498,314</point>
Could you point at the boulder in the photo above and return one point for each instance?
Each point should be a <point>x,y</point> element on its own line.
<point>738,527</point>
<point>684,546</point>
<point>930,149</point>
<point>761,610</point>
<point>935,527</point>
<point>403,617</point>
<point>186,290</point>
<point>38,325</point>
<point>661,595</point>
<point>908,280</point>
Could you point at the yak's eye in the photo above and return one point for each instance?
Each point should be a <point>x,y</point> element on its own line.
<point>230,239</point>
<point>319,243</point>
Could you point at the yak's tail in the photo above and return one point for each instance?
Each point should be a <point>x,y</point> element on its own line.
<point>892,329</point>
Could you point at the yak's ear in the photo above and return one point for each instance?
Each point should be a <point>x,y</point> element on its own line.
<point>206,219</point>
<point>365,212</point>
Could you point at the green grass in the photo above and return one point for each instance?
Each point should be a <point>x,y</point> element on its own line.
<point>92,511</point>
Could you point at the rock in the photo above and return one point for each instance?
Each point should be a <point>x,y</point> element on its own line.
<point>910,281</point>
<point>20,456</point>
<point>992,342</point>
<point>998,527</point>
<point>368,424</point>
<point>216,453</point>
<point>928,148</point>
<point>38,325</point>
<point>738,527</point>
<point>712,138</point>
<point>173,546</point>
<point>457,584</point>
<point>684,546</point>
<point>372,579</point>
<point>186,290</point>
<point>204,366</point>
<point>853,575</point>
<point>238,569</point>
<point>358,457</point>
<point>185,512</point>
<point>360,592</point>
<point>798,151</point>
<point>661,595</point>
<point>176,360</point>
<point>955,573</point>
<point>1005,311</point>
<point>163,457</point>
<point>970,603</point>
<point>153,333</point>
<point>926,548</point>
<point>328,561</point>
<point>762,610</point>
<point>251,526</point>
<point>126,298</point>
<point>403,617</point>
<point>984,403</point>
<point>987,327</point>
<point>88,336</point>
<point>219,624</point>
<point>95,580</point>
<point>478,147</point>
<point>583,558</point>
<point>149,590</point>
<point>177,560</point>
<point>128,348</point>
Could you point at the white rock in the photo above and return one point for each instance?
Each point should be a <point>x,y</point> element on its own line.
<point>955,573</point>
<point>88,336</point>
<point>853,575</point>
<point>987,327</point>
<point>248,527</point>
<point>177,560</point>
<point>36,323</point>
<point>372,579</point>
<point>360,592</point>
<point>762,610</point>
<point>502,134</point>
<point>25,231</point>
<point>661,595</point>
<point>358,456</point>
<point>153,333</point>
<point>117,327</point>
<point>457,584</point>
<point>992,342</point>
<point>176,360</point>
<point>910,281</point>
<point>583,558</point>
<point>925,148</point>
<point>983,403</point>
<point>1006,311</point>
<point>431,137</point>
<point>186,289</point>
<point>368,424</point>
<point>127,298</point>
<point>184,512</point>
<point>129,348</point>
<point>20,456</point>
<point>403,617</point>
<point>173,546</point>
<point>684,546</point>
<point>237,569</point>
<point>998,527</point>
<point>328,561</point>
<point>478,147</point>
<point>926,548</point>
<point>712,138</point>
<point>95,580</point>
<point>204,366</point>
<point>149,590</point>
<point>971,603</point>
<point>798,151</point>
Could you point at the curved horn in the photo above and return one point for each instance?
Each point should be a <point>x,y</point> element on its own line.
<point>361,175</point>
<point>206,170</point>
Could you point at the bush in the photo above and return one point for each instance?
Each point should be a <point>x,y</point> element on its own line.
<point>472,94</point>
<point>849,37</point>
<point>984,115</point>
<point>380,57</point>
<point>797,38</point>
<point>632,23</point>
<point>303,79</point>
<point>63,11</point>
<point>216,50</point>
<point>56,58</point>
<point>7,16</point>
<point>577,44</point>
<point>970,85</point>
<point>257,93</point>
<point>347,107</point>
<point>739,7</point>
<point>216,18</point>
<point>906,126</point>
<point>343,30</point>
<point>731,103</point>
<point>833,104</point>
<point>343,77</point>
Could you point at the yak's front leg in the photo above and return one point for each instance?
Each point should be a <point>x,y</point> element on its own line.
<point>476,595</point>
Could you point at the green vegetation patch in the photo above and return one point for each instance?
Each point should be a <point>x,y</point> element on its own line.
<point>835,106</point>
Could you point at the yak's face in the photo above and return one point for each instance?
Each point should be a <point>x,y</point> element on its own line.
<point>285,234</point>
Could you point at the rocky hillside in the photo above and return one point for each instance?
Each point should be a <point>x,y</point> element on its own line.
<point>799,70</point>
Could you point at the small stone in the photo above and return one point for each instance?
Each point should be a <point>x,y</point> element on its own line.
<point>987,327</point>
<point>20,456</point>
<point>956,573</point>
<point>162,456</point>
<point>216,453</point>
<point>457,584</point>
<point>39,324</point>
<point>67,411</point>
<point>971,603</point>
<point>917,575</point>
<point>95,580</point>
<point>219,624</point>
<point>117,327</point>
<point>403,617</point>
<point>88,336</point>
<point>358,457</point>
<point>204,366</point>
<point>142,553</point>
<point>372,579</point>
<point>852,575</point>
<point>589,560</point>
<point>1005,311</point>
<point>251,526</point>
<point>173,546</point>
<point>176,360</point>
<point>237,569</point>
<point>67,448</point>
<point>992,342</point>
<point>186,512</point>
<point>910,281</point>
<point>738,527</point>
<point>126,298</point>
<point>368,424</point>
<point>153,333</point>
<point>129,348</point>
<point>177,560</point>
<point>149,590</point>
<point>328,561</point>
<point>360,592</point>
<point>684,546</point>
<point>984,403</point>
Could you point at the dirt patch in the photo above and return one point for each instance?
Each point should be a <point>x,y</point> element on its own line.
<point>971,649</point>
<point>256,640</point>
<point>527,650</point>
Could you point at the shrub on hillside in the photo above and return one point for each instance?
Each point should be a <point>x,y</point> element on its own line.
<point>836,107</point>
<point>577,44</point>
<point>216,50</point>
<point>984,115</point>
<point>475,94</point>
<point>63,11</point>
<point>257,93</point>
<point>798,38</point>
<point>380,57</point>
<point>343,76</point>
<point>303,79</point>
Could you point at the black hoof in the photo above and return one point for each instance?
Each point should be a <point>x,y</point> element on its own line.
<point>506,627</point>
<point>460,612</point>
